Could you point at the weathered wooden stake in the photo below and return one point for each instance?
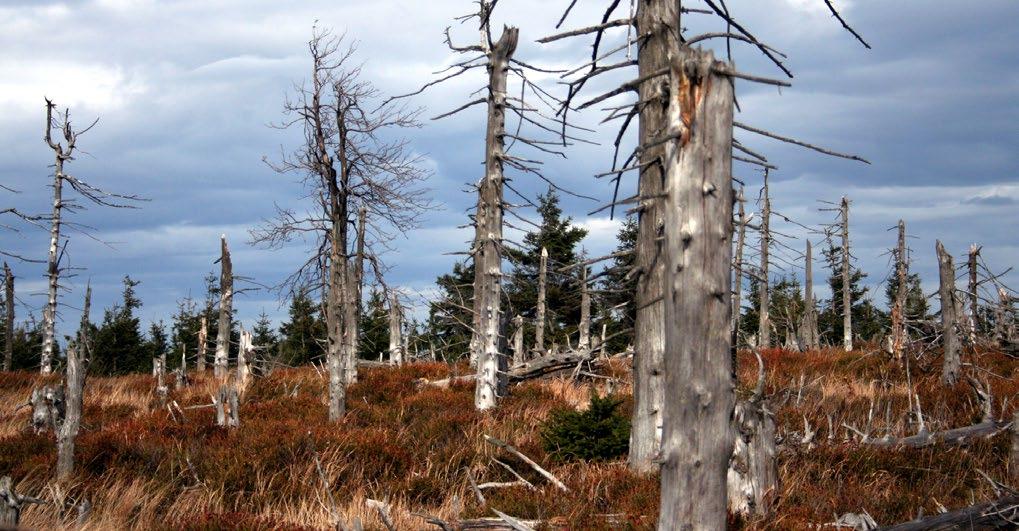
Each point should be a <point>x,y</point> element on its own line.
<point>226,297</point>
<point>539,313</point>
<point>899,307</point>
<point>488,227</point>
<point>8,318</point>
<point>584,341</point>
<point>697,438</point>
<point>396,352</point>
<point>764,292</point>
<point>949,319</point>
<point>847,302</point>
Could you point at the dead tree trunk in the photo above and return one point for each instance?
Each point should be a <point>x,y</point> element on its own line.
<point>226,297</point>
<point>584,341</point>
<point>1013,459</point>
<point>245,350</point>
<point>74,387</point>
<point>396,352</point>
<point>697,438</point>
<point>159,373</point>
<point>519,355</point>
<point>1004,322</point>
<point>847,303</point>
<point>488,228</point>
<point>764,306</point>
<point>974,314</point>
<point>737,265</point>
<point>11,504</point>
<point>203,340</point>
<point>49,314</point>
<point>899,308</point>
<point>809,334</point>
<point>8,318</point>
<point>352,308</point>
<point>949,320</point>
<point>659,21</point>
<point>539,312</point>
<point>753,474</point>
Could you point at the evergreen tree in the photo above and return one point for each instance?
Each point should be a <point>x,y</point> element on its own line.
<point>157,344</point>
<point>450,315</point>
<point>560,237</point>
<point>785,306</point>
<point>27,345</point>
<point>615,304</point>
<point>119,347</point>
<point>263,334</point>
<point>916,308</point>
<point>868,321</point>
<point>302,338</point>
<point>374,328</point>
<point>750,306</point>
<point>184,332</point>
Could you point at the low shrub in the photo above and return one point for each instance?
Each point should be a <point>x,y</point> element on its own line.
<point>598,433</point>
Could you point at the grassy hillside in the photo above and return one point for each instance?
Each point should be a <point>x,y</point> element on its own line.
<point>145,467</point>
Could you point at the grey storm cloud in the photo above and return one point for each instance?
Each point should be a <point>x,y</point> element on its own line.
<point>187,91</point>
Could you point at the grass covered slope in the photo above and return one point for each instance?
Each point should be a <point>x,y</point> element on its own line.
<point>410,445</point>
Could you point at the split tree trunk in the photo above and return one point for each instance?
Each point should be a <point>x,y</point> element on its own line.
<point>697,438</point>
<point>764,306</point>
<point>809,334</point>
<point>899,307</point>
<point>847,302</point>
<point>203,340</point>
<point>352,304</point>
<point>226,297</point>
<point>396,352</point>
<point>659,21</point>
<point>74,385</point>
<point>8,318</point>
<point>488,229</point>
<point>584,341</point>
<point>539,313</point>
<point>950,338</point>
<point>974,319</point>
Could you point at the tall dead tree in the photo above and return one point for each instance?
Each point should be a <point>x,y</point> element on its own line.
<point>584,339</point>
<point>396,352</point>
<point>949,320</point>
<point>226,307</point>
<point>78,353</point>
<point>8,318</point>
<point>539,312</point>
<point>899,307</point>
<point>974,304</point>
<point>348,163</point>
<point>64,153</point>
<point>203,343</point>
<point>737,267</point>
<point>809,334</point>
<point>697,438</point>
<point>847,302</point>
<point>764,304</point>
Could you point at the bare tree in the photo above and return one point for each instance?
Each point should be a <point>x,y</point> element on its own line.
<point>847,302</point>
<point>949,320</point>
<point>974,303</point>
<point>347,164</point>
<point>764,304</point>
<point>584,339</point>
<point>226,308</point>
<point>396,350</point>
<point>539,312</point>
<point>737,266</point>
<point>64,153</point>
<point>899,307</point>
<point>8,318</point>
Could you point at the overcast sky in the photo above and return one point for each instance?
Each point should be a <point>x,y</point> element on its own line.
<point>186,89</point>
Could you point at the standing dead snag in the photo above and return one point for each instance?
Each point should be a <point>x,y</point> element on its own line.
<point>203,341</point>
<point>74,384</point>
<point>753,475</point>
<point>8,318</point>
<point>899,307</point>
<point>697,437</point>
<point>226,297</point>
<point>64,153</point>
<point>584,341</point>
<point>396,352</point>
<point>737,266</point>
<point>245,360</point>
<point>539,312</point>
<point>519,356</point>
<point>352,304</point>
<point>1013,459</point>
<point>764,317</point>
<point>974,307</point>
<point>949,320</point>
<point>809,334</point>
<point>847,303</point>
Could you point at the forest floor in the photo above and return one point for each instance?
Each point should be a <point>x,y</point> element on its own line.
<point>410,445</point>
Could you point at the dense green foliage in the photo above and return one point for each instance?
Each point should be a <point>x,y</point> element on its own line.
<point>305,332</point>
<point>119,347</point>
<point>598,433</point>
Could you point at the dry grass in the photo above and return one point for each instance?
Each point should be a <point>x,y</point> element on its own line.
<point>143,468</point>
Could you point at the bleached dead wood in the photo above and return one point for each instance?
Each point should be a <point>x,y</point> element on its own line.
<point>847,302</point>
<point>519,356</point>
<point>12,503</point>
<point>226,296</point>
<point>899,306</point>
<point>8,318</point>
<point>764,290</point>
<point>1000,514</point>
<point>539,312</point>
<point>949,320</point>
<point>203,342</point>
<point>537,468</point>
<point>752,477</point>
<point>584,341</point>
<point>396,353</point>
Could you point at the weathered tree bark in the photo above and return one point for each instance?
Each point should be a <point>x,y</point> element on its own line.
<point>11,504</point>
<point>697,438</point>
<point>753,475</point>
<point>949,333</point>
<point>352,306</point>
<point>49,314</point>
<point>899,307</point>
<point>847,302</point>
<point>396,352</point>
<point>764,302</point>
<point>659,20</point>
<point>226,297</point>
<point>47,408</point>
<point>584,341</point>
<point>518,340</point>
<point>1000,514</point>
<point>539,312</point>
<point>227,406</point>
<point>1004,325</point>
<point>8,318</point>
<point>203,341</point>
<point>159,373</point>
<point>74,388</point>
<point>808,331</point>
<point>737,265</point>
<point>488,228</point>
<point>245,352</point>
<point>974,313</point>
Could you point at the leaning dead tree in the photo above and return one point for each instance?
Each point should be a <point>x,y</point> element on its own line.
<point>226,308</point>
<point>949,319</point>
<point>64,152</point>
<point>8,317</point>
<point>349,166</point>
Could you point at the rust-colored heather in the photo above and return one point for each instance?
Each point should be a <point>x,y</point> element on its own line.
<point>410,445</point>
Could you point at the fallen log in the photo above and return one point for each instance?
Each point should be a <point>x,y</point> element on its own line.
<point>954,437</point>
<point>532,369</point>
<point>1002,513</point>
